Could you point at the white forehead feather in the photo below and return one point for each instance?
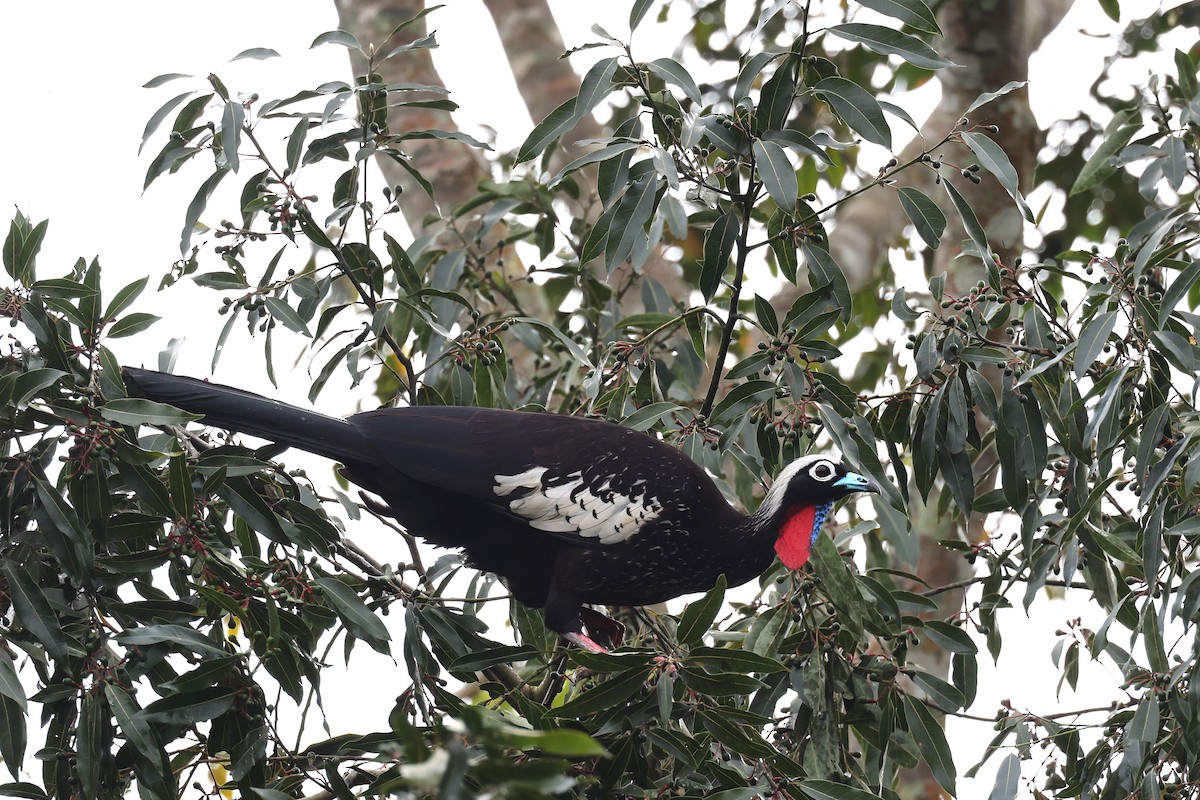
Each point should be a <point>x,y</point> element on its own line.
<point>774,498</point>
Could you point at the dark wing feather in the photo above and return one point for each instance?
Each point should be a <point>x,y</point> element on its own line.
<point>584,481</point>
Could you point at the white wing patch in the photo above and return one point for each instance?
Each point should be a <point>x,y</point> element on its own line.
<point>569,506</point>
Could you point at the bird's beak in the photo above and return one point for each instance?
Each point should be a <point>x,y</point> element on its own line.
<point>853,482</point>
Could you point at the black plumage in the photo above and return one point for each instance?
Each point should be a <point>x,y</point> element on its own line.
<point>569,511</point>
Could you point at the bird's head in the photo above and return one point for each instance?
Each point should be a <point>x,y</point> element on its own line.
<point>801,498</point>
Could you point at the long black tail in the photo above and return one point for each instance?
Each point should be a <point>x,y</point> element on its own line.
<point>246,412</point>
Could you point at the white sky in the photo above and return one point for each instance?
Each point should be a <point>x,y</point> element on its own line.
<point>73,118</point>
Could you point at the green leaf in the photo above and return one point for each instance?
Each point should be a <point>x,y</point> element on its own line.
<point>828,790</point>
<point>256,53</point>
<point>1092,340</point>
<point>648,415</point>
<point>718,246</point>
<point>232,120</point>
<point>911,12</point>
<point>13,737</point>
<point>798,142</point>
<point>10,684</point>
<point>638,12</point>
<point>858,108</point>
<point>507,654</point>
<point>608,695</point>
<point>776,173</point>
<point>603,154</point>
<point>628,226</point>
<point>1112,8</point>
<point>1100,165</point>
<point>765,313</point>
<point>893,43</point>
<point>943,695</point>
<point>988,97</point>
<point>139,411</point>
<point>931,740</point>
<point>672,72</point>
<point>153,769</point>
<point>196,208</point>
<point>188,708</point>
<point>950,638</point>
<point>33,610</point>
<point>595,86</point>
<point>698,617</point>
<point>28,384</point>
<point>556,123</point>
<point>157,118</point>
<point>993,158</point>
<point>21,248</point>
<point>556,741</point>
<point>280,310</point>
<point>1008,779</point>
<point>182,638</point>
<point>24,790</point>
<point>924,214</point>
<point>342,38</point>
<point>131,324</point>
<point>1146,720</point>
<point>124,298</point>
<point>359,620</point>
<point>973,228</point>
<point>842,588</point>
<point>1179,288</point>
<point>748,392</point>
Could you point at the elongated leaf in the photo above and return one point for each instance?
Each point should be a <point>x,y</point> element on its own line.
<point>748,392</point>
<point>1008,779</point>
<point>596,156</point>
<point>993,158</point>
<point>185,639</point>
<point>283,312</point>
<point>33,610</point>
<point>13,738</point>
<point>138,411</point>
<point>10,684</point>
<point>988,97</point>
<point>648,415</point>
<point>158,117</point>
<point>188,708</point>
<point>257,54</point>
<point>889,41</point>
<point>343,38</point>
<point>973,228</point>
<point>672,72</point>
<point>932,741</point>
<point>196,208</point>
<point>777,174</point>
<point>556,123</point>
<point>718,246</point>
<point>131,324</point>
<point>1092,340</point>
<point>698,617</point>
<point>924,214</point>
<point>828,790</point>
<point>610,694</point>
<point>1099,165</point>
<point>911,12</point>
<point>858,107</point>
<point>799,142</point>
<point>359,620</point>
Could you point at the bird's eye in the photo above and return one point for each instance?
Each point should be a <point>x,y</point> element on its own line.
<point>821,471</point>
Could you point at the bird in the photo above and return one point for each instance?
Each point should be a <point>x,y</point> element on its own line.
<point>569,511</point>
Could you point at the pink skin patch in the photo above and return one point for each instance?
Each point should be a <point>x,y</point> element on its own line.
<point>795,537</point>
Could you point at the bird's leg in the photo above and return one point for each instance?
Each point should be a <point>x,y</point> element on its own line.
<point>603,627</point>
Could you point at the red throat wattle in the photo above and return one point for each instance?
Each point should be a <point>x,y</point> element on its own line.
<point>795,536</point>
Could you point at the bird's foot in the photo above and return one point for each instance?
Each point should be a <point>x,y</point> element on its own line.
<point>581,639</point>
<point>603,627</point>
